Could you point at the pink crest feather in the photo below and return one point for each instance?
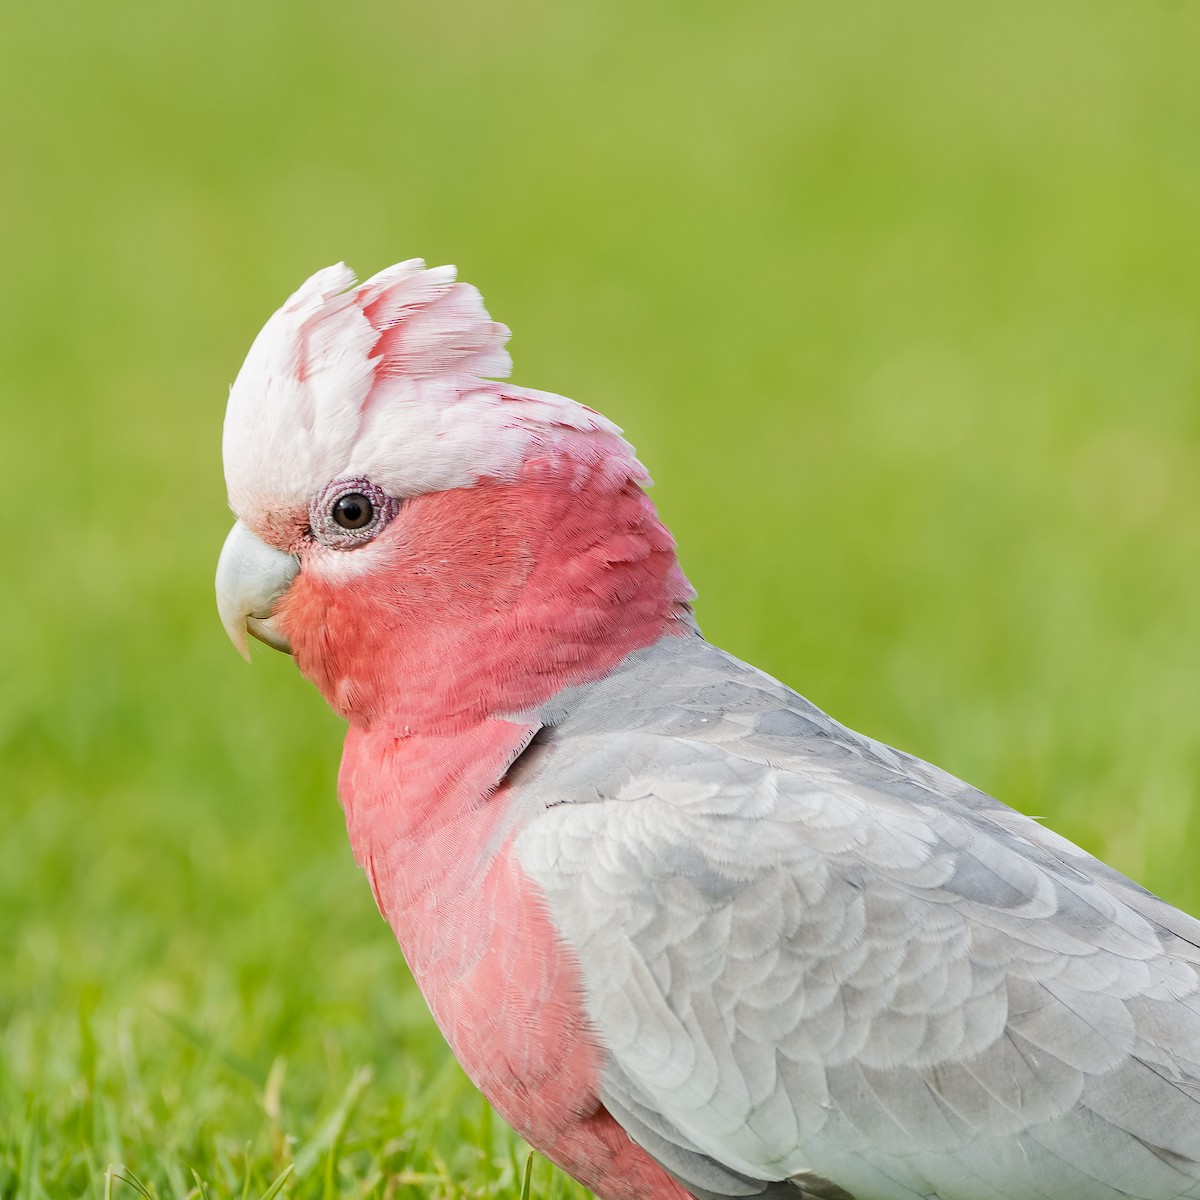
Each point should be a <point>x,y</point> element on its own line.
<point>431,325</point>
<point>392,380</point>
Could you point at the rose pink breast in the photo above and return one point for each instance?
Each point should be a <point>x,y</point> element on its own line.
<point>504,990</point>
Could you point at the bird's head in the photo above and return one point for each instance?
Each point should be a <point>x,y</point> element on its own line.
<point>431,545</point>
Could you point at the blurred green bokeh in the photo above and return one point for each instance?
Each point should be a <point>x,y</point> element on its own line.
<point>898,301</point>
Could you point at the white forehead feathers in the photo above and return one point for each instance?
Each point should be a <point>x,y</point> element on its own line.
<point>385,381</point>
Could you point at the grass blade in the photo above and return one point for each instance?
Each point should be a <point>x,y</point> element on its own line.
<point>329,1133</point>
<point>277,1186</point>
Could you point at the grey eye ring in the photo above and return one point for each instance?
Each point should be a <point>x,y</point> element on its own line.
<point>348,513</point>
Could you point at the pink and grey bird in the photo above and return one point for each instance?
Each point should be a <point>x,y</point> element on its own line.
<point>689,935</point>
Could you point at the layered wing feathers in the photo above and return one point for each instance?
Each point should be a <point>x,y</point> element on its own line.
<point>806,952</point>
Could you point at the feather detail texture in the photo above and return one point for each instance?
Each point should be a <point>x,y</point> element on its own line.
<point>806,952</point>
<point>388,380</point>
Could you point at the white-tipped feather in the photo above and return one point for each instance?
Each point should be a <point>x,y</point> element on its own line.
<point>294,406</point>
<point>389,380</point>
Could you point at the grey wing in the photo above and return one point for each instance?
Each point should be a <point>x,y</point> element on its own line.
<point>812,958</point>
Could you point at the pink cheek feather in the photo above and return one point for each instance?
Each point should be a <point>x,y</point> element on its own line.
<point>489,600</point>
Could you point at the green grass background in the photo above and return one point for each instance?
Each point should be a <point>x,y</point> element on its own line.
<point>898,300</point>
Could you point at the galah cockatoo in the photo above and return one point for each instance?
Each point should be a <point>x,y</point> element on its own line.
<point>690,936</point>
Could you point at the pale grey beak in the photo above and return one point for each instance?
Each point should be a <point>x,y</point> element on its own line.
<point>251,577</point>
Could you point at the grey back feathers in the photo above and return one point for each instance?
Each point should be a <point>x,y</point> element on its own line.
<point>813,958</point>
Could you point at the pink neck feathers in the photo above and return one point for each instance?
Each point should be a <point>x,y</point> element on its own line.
<point>492,599</point>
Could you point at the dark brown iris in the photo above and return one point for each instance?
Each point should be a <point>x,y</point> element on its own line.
<point>353,511</point>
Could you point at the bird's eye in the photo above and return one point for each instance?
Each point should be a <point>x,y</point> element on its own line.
<point>348,513</point>
<point>353,510</point>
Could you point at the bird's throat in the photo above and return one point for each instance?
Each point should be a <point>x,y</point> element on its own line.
<point>491,599</point>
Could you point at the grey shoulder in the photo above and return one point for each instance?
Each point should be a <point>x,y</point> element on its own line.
<point>811,954</point>
<point>672,701</point>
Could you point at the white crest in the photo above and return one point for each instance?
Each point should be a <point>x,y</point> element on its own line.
<point>388,381</point>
